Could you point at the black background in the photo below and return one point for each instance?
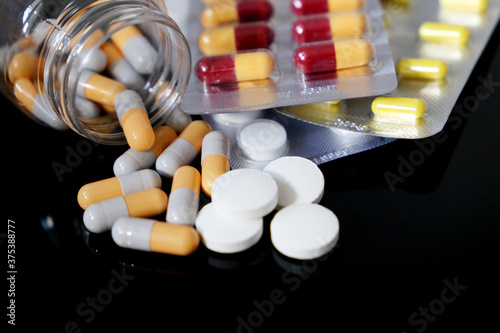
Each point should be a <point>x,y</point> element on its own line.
<point>399,249</point>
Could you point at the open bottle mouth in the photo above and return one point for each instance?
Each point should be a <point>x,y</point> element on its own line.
<point>81,31</point>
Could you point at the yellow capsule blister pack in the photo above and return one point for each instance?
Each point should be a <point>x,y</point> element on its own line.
<point>435,45</point>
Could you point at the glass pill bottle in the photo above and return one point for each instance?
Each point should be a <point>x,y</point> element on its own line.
<point>64,61</point>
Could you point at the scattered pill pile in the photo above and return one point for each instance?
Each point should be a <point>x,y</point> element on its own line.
<point>240,199</point>
<point>237,48</point>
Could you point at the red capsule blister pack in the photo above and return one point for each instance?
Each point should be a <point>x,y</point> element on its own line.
<point>258,54</point>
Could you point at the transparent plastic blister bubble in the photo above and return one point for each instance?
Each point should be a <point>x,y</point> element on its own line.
<point>320,144</point>
<point>282,74</point>
<point>404,18</point>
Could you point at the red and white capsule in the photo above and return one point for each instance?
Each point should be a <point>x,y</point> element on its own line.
<point>308,7</point>
<point>328,27</point>
<point>236,12</point>
<point>331,56</point>
<point>227,39</point>
<point>237,67</point>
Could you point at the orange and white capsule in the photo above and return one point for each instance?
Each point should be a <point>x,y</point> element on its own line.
<point>99,89</point>
<point>99,217</point>
<point>184,196</point>
<point>214,159</point>
<point>136,49</point>
<point>22,65</point>
<point>117,186</point>
<point>119,68</point>
<point>37,104</point>
<point>183,150</point>
<point>134,120</point>
<point>155,236</point>
<point>133,160</point>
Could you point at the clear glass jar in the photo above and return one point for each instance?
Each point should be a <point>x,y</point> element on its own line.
<point>51,46</point>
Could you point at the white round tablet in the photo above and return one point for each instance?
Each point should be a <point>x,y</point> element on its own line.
<point>222,234</point>
<point>236,118</point>
<point>262,140</point>
<point>299,180</point>
<point>245,194</point>
<point>304,231</point>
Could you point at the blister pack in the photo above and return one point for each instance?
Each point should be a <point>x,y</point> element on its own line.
<point>259,54</point>
<point>436,44</point>
<point>260,136</point>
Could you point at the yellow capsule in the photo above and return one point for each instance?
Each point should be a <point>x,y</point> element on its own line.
<point>476,6</point>
<point>398,108</point>
<point>422,68</point>
<point>263,65</point>
<point>443,33</point>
